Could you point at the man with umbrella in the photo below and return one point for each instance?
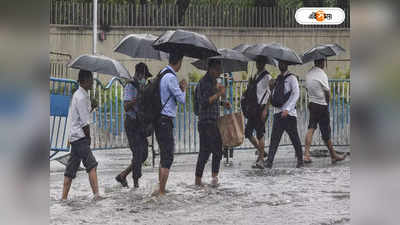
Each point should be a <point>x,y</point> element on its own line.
<point>208,93</point>
<point>319,95</point>
<point>286,117</point>
<point>79,136</point>
<point>256,120</point>
<point>171,92</point>
<point>177,43</point>
<point>137,141</point>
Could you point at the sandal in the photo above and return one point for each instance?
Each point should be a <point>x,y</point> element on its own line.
<point>123,182</point>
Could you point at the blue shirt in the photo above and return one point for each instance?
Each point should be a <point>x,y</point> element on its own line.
<point>169,86</point>
<point>130,93</point>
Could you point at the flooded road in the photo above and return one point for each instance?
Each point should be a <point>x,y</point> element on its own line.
<point>318,194</point>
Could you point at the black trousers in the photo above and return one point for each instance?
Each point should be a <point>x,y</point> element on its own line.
<point>138,145</point>
<point>288,124</point>
<point>164,131</point>
<point>210,142</point>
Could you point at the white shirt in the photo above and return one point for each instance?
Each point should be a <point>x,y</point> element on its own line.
<point>291,84</point>
<point>79,114</point>
<point>316,84</point>
<point>262,87</point>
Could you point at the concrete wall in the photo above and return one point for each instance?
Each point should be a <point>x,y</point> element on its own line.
<point>77,41</point>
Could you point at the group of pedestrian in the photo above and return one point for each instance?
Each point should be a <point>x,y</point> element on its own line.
<point>285,118</point>
<point>209,97</point>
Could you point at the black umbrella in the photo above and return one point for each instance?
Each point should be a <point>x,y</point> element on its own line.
<point>186,43</point>
<point>140,46</point>
<point>267,59</point>
<point>232,61</point>
<point>242,47</point>
<point>100,64</point>
<point>275,51</point>
<point>322,52</point>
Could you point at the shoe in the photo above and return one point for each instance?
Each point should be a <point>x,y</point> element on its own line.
<point>267,165</point>
<point>123,182</point>
<point>259,164</point>
<point>334,161</point>
<point>300,164</point>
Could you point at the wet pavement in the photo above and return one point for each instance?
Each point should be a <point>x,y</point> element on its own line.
<point>317,194</point>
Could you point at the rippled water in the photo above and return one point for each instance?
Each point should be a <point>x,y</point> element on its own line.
<point>318,194</point>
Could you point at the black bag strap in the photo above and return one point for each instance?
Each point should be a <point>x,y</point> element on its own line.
<point>261,76</point>
<point>265,93</point>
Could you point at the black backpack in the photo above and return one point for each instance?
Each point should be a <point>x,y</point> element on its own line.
<point>149,104</point>
<point>278,97</point>
<point>248,102</point>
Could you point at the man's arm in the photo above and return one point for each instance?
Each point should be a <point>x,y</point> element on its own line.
<point>294,96</point>
<point>327,96</point>
<point>84,115</point>
<point>129,97</point>
<point>174,88</point>
<point>221,91</point>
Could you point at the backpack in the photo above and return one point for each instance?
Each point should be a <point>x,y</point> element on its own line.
<point>248,102</point>
<point>149,104</point>
<point>278,97</point>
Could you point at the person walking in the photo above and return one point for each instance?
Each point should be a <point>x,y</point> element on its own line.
<point>79,136</point>
<point>319,95</point>
<point>285,95</point>
<point>136,139</point>
<point>256,120</point>
<point>208,93</point>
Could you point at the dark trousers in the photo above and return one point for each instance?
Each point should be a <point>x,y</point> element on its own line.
<point>165,138</point>
<point>210,142</point>
<point>138,145</point>
<point>288,124</point>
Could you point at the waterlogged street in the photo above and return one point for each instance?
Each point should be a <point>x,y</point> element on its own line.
<point>318,194</point>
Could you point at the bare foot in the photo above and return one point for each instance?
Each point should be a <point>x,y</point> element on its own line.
<point>98,197</point>
<point>214,182</point>
<point>307,159</point>
<point>198,182</point>
<point>157,193</point>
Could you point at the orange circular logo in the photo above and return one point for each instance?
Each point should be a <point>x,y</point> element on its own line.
<point>320,15</point>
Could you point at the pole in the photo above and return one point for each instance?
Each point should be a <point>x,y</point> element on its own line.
<point>96,94</point>
<point>94,26</point>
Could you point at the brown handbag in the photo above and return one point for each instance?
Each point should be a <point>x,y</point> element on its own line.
<point>231,128</point>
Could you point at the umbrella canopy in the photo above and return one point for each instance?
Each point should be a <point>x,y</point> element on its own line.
<point>268,60</point>
<point>242,47</point>
<point>232,61</point>
<point>187,43</point>
<point>100,64</point>
<point>322,52</point>
<point>140,46</point>
<point>274,50</point>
